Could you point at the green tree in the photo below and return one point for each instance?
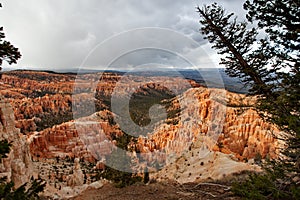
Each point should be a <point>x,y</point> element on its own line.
<point>269,65</point>
<point>8,193</point>
<point>8,52</point>
<point>4,148</point>
<point>26,191</point>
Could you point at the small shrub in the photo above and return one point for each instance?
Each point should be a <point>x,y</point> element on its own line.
<point>120,178</point>
<point>266,186</point>
<point>4,148</point>
<point>7,192</point>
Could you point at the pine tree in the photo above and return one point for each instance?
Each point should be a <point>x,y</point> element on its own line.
<point>8,52</point>
<point>4,148</point>
<point>269,65</point>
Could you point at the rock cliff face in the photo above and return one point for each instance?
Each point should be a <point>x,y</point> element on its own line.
<point>229,125</point>
<point>199,164</point>
<point>39,100</point>
<point>225,122</point>
<point>82,138</point>
<point>77,178</point>
<point>197,133</point>
<point>42,104</point>
<point>17,167</point>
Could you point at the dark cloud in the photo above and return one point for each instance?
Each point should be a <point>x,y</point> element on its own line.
<point>60,34</point>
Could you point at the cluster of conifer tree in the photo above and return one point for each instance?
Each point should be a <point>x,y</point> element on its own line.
<point>266,58</point>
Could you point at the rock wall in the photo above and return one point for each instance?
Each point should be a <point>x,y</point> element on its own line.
<point>17,167</point>
<point>226,122</point>
<point>77,178</point>
<point>83,138</point>
<point>42,102</point>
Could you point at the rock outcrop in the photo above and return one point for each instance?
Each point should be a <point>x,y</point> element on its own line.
<point>42,105</point>
<point>17,167</point>
<point>199,164</point>
<point>77,178</point>
<point>82,138</point>
<point>227,122</point>
<point>198,133</point>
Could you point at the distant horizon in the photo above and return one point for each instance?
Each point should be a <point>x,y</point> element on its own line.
<point>212,77</point>
<point>7,69</point>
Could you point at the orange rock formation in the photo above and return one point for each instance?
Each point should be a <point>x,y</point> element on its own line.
<point>42,104</point>
<point>17,167</point>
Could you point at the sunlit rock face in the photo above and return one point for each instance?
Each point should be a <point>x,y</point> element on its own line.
<point>225,121</point>
<point>84,138</point>
<point>220,123</point>
<point>212,131</point>
<point>17,167</point>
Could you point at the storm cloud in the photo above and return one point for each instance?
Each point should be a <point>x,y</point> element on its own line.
<point>56,34</point>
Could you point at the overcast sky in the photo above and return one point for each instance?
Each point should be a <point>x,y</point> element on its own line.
<point>60,34</point>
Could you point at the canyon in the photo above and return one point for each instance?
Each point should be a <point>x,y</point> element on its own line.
<point>63,126</point>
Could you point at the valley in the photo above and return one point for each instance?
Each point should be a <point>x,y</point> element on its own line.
<point>181,131</point>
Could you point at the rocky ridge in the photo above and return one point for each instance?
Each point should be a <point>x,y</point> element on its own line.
<point>230,121</point>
